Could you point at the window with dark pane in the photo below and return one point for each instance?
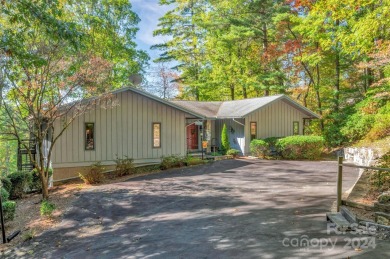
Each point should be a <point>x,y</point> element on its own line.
<point>89,136</point>
<point>253,130</point>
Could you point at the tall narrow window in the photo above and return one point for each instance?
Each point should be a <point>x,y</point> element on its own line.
<point>296,127</point>
<point>156,135</point>
<point>253,130</point>
<point>89,136</point>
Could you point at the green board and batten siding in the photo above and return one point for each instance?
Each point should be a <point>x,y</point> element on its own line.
<point>273,120</point>
<point>126,130</point>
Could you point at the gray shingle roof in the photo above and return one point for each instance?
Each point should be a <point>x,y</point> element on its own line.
<point>238,108</point>
<point>226,109</point>
<point>207,109</point>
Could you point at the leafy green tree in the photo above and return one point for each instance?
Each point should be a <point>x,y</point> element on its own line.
<point>53,54</point>
<point>225,49</point>
<point>109,28</point>
<point>186,43</point>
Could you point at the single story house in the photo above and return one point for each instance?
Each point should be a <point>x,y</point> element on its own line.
<point>145,128</point>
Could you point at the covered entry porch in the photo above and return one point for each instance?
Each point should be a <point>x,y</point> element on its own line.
<point>210,130</point>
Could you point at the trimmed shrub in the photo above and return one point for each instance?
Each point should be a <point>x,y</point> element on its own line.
<point>172,162</point>
<point>20,182</point>
<point>124,166</point>
<point>147,169</point>
<point>47,208</point>
<point>36,183</point>
<point>4,194</point>
<point>7,185</point>
<point>225,144</point>
<point>259,148</point>
<point>94,174</point>
<point>272,141</point>
<point>189,160</point>
<point>9,208</point>
<point>297,147</point>
<point>233,152</point>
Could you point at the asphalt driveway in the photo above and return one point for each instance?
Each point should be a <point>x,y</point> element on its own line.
<point>227,209</point>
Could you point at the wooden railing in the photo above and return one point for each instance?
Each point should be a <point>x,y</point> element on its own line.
<point>340,176</point>
<point>24,162</point>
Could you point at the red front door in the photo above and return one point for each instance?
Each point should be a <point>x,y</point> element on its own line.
<point>192,136</point>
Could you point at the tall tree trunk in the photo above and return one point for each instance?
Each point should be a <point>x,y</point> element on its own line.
<point>244,93</point>
<point>232,91</point>
<point>306,95</point>
<point>194,51</point>
<point>197,94</point>
<point>281,83</point>
<point>337,75</point>
<point>317,90</point>
<point>370,77</point>
<point>41,166</point>
<point>265,48</point>
<point>45,187</point>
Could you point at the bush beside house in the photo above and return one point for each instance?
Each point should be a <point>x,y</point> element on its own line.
<point>20,181</point>
<point>9,207</point>
<point>172,162</point>
<point>36,183</point>
<point>259,148</point>
<point>124,166</point>
<point>233,152</point>
<point>94,175</point>
<point>292,147</point>
<point>298,147</point>
<point>175,161</point>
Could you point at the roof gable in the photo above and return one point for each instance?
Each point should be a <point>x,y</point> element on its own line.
<point>158,99</point>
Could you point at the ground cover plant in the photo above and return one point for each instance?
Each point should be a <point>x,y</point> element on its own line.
<point>94,174</point>
<point>124,166</point>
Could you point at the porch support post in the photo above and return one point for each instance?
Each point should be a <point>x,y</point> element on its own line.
<point>208,135</point>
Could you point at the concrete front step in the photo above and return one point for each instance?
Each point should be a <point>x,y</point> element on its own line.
<point>341,222</point>
<point>348,215</point>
